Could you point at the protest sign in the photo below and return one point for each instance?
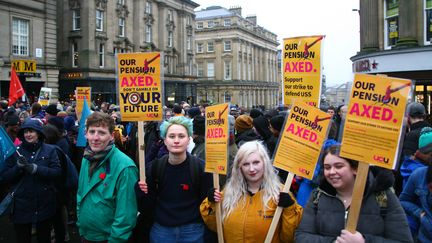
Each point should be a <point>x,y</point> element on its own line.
<point>216,147</point>
<point>140,86</point>
<point>299,147</point>
<point>217,135</point>
<point>82,93</point>
<point>302,69</point>
<point>301,140</point>
<point>44,96</point>
<point>372,130</point>
<point>373,124</point>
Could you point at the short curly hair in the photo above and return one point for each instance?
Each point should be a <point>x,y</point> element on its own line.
<point>178,120</point>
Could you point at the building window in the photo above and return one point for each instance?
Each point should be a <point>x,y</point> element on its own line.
<point>170,39</point>
<point>200,47</point>
<point>188,20</point>
<point>101,55</point>
<point>227,97</point>
<point>121,27</point>
<point>148,7</point>
<point>189,63</point>
<point>391,22</point>
<point>121,2</point>
<point>428,21</point>
<point>76,19</point>
<point>200,69</point>
<point>210,70</point>
<point>99,20</point>
<point>148,37</point>
<point>74,54</point>
<point>227,45</point>
<point>20,37</point>
<point>189,42</point>
<point>227,70</point>
<point>210,47</point>
<point>227,22</point>
<point>119,50</point>
<point>210,24</point>
<point>170,15</point>
<point>200,25</point>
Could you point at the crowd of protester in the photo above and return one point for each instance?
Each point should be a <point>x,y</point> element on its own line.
<point>98,187</point>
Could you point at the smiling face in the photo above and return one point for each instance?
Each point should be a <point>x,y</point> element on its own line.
<point>31,136</point>
<point>252,168</point>
<point>339,173</point>
<point>177,139</point>
<point>98,137</point>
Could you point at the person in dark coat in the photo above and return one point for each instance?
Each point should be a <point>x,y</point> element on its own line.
<point>261,125</point>
<point>243,126</point>
<point>35,168</point>
<point>198,136</point>
<point>381,218</point>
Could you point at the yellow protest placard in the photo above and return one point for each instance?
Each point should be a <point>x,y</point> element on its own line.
<point>80,94</point>
<point>140,86</point>
<point>302,69</point>
<point>373,124</point>
<point>217,136</point>
<point>301,141</point>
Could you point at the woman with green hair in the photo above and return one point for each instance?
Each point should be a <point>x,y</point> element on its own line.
<point>175,185</point>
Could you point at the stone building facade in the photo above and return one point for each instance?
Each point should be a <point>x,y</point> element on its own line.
<point>29,33</point>
<point>93,31</point>
<point>396,40</point>
<point>236,59</point>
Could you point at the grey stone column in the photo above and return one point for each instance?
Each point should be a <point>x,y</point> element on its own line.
<point>407,23</point>
<point>369,40</point>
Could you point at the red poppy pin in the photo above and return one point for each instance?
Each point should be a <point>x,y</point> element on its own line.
<point>102,175</point>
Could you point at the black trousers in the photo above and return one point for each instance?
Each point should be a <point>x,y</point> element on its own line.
<point>43,228</point>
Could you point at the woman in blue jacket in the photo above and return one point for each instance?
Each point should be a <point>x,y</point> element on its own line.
<point>32,171</point>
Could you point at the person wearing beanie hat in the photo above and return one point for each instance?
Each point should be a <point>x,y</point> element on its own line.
<point>193,112</point>
<point>12,124</point>
<point>243,125</point>
<point>50,111</point>
<point>198,136</point>
<point>276,124</point>
<point>261,125</point>
<point>34,168</point>
<point>254,113</point>
<point>416,114</point>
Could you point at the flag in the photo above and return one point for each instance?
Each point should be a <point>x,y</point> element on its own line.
<point>81,140</point>
<point>7,148</point>
<point>15,89</point>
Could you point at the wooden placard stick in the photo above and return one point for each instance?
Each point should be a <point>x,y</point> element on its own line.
<point>278,211</point>
<point>357,196</point>
<point>218,211</point>
<point>141,151</point>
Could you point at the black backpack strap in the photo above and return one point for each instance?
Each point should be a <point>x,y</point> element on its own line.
<point>158,170</point>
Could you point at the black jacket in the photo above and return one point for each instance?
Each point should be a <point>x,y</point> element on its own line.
<point>323,219</point>
<point>411,141</point>
<point>35,199</point>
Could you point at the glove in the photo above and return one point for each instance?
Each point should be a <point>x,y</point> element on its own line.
<point>210,195</point>
<point>22,161</point>
<point>285,200</point>
<point>30,168</point>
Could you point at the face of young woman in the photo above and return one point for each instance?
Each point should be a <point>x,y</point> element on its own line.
<point>339,173</point>
<point>252,168</point>
<point>177,139</point>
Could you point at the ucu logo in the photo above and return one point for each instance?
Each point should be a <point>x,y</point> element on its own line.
<point>381,159</point>
<point>304,171</point>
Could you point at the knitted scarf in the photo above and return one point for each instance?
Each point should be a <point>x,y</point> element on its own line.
<point>95,158</point>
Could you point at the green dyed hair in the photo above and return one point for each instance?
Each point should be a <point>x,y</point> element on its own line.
<point>178,120</point>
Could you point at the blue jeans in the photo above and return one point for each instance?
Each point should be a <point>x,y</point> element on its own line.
<point>180,234</point>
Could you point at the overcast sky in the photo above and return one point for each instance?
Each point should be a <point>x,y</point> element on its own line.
<point>289,18</point>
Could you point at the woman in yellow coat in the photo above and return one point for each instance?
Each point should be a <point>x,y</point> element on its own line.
<point>250,199</point>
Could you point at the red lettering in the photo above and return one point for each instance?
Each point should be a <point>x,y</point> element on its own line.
<point>302,132</point>
<point>215,133</point>
<point>298,67</point>
<point>374,112</point>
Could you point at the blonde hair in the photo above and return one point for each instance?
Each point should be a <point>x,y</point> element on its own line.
<point>236,188</point>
